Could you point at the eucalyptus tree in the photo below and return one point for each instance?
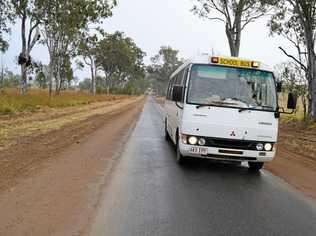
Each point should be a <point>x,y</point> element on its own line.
<point>87,50</point>
<point>235,14</point>
<point>296,21</point>
<point>120,59</point>
<point>163,65</point>
<point>63,23</point>
<point>6,17</point>
<point>29,12</point>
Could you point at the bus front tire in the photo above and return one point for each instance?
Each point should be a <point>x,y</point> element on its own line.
<point>255,166</point>
<point>180,158</point>
<point>167,136</point>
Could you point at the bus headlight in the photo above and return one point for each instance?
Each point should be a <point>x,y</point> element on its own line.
<point>201,142</point>
<point>268,147</point>
<point>193,140</point>
<point>184,138</point>
<point>259,147</point>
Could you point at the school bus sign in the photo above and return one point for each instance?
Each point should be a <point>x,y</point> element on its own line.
<point>235,62</point>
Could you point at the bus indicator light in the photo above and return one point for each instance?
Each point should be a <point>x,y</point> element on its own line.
<point>215,60</point>
<point>255,64</point>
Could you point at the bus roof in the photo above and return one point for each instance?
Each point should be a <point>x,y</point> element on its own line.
<point>225,61</point>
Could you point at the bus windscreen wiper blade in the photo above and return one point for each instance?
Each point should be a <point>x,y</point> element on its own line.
<point>269,107</point>
<point>253,108</point>
<point>247,109</point>
<point>215,103</point>
<point>238,100</point>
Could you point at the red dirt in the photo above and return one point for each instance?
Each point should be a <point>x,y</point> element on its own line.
<point>296,157</point>
<point>51,184</point>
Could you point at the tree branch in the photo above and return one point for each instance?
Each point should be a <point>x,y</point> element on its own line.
<point>296,60</point>
<point>215,18</point>
<point>30,33</point>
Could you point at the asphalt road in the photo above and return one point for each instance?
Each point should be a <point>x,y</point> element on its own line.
<point>149,194</point>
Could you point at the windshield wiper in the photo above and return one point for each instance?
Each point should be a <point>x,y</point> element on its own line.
<point>254,108</point>
<point>238,100</point>
<point>215,103</point>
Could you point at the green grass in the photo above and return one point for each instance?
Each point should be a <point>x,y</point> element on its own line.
<point>11,102</point>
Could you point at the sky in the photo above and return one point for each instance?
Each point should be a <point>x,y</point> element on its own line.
<point>153,23</point>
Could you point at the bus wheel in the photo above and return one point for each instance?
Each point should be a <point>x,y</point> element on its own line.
<point>255,166</point>
<point>167,136</point>
<point>180,158</point>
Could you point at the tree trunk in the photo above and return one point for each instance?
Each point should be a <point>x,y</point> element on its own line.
<point>233,41</point>
<point>237,33</point>
<point>23,85</point>
<point>23,88</point>
<point>50,77</point>
<point>313,97</point>
<point>59,82</point>
<point>312,78</point>
<point>304,106</point>
<point>93,77</point>
<point>233,29</point>
<point>2,78</point>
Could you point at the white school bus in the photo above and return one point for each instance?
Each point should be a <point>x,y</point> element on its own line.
<point>224,108</point>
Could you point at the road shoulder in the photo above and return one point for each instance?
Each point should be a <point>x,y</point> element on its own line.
<point>57,191</point>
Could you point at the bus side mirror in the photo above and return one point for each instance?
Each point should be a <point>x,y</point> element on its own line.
<point>177,92</point>
<point>279,87</point>
<point>291,101</point>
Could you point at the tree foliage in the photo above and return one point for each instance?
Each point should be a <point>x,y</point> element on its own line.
<point>163,65</point>
<point>235,14</point>
<point>87,49</point>
<point>28,11</point>
<point>63,24</point>
<point>120,59</point>
<point>295,20</point>
<point>6,17</point>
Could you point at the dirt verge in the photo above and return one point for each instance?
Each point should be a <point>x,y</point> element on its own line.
<point>50,183</point>
<point>296,157</point>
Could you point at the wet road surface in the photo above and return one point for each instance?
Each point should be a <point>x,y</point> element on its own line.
<point>149,194</point>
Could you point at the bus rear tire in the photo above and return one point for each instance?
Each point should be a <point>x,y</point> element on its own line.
<point>255,166</point>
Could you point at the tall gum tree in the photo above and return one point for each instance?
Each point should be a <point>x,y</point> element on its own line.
<point>163,65</point>
<point>87,50</point>
<point>63,24</point>
<point>119,58</point>
<point>28,13</point>
<point>6,17</point>
<point>287,25</point>
<point>235,14</point>
<point>304,13</point>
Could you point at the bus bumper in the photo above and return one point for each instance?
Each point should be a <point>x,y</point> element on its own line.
<point>226,154</point>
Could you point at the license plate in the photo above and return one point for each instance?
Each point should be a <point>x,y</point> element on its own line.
<point>198,150</point>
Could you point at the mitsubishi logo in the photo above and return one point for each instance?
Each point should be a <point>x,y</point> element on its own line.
<point>232,134</point>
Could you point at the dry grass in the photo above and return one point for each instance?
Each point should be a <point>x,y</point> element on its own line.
<point>34,124</point>
<point>299,113</point>
<point>11,102</point>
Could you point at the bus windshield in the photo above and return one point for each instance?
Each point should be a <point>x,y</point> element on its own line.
<point>235,87</point>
